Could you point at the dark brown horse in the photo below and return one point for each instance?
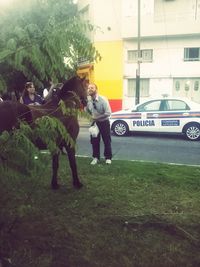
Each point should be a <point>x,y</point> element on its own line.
<point>74,95</point>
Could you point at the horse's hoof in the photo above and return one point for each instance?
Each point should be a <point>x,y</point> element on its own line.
<point>55,186</point>
<point>78,185</point>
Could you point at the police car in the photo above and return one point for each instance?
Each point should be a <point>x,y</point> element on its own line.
<point>166,115</point>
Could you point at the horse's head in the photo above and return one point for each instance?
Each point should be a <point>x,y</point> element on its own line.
<point>74,86</point>
<point>53,94</point>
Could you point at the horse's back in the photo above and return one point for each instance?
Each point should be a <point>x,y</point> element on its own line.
<point>10,114</point>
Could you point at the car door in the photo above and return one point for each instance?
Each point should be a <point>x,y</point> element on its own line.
<point>174,115</point>
<point>149,121</point>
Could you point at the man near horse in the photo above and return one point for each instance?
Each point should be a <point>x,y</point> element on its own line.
<point>98,106</point>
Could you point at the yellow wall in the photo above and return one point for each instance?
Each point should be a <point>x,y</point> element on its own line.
<point>108,73</point>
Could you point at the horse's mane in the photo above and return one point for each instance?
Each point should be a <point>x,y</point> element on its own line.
<point>60,90</point>
<point>67,86</point>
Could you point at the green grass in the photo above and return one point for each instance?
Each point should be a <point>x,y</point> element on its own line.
<point>127,214</point>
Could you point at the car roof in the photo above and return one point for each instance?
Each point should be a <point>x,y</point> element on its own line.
<point>187,100</point>
<point>192,104</point>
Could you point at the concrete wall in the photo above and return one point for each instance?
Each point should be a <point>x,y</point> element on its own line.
<point>168,58</point>
<point>161,17</point>
<point>107,15</point>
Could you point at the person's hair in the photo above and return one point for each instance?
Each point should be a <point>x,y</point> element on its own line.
<point>94,85</point>
<point>25,91</point>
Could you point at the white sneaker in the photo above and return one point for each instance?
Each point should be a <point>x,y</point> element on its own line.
<point>94,161</point>
<point>108,161</point>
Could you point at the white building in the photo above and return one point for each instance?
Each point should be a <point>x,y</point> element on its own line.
<point>169,44</point>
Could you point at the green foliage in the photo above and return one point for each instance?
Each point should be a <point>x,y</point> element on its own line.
<point>68,111</point>
<point>78,113</point>
<point>47,133</point>
<point>36,36</point>
<point>51,131</point>
<point>17,151</point>
<point>2,86</point>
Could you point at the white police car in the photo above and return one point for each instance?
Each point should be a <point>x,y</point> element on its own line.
<point>166,115</point>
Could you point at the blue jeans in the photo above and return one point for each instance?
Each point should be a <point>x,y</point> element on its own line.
<point>104,132</point>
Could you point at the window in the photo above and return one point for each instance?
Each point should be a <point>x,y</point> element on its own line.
<point>187,86</point>
<point>131,87</point>
<point>132,55</point>
<point>196,85</point>
<point>144,87</point>
<point>177,105</point>
<point>150,106</point>
<point>192,54</point>
<point>177,85</point>
<point>146,55</point>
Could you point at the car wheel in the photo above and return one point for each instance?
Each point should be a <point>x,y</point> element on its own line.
<point>192,131</point>
<point>120,128</point>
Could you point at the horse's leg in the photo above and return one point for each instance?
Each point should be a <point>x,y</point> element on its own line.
<point>72,162</point>
<point>55,166</point>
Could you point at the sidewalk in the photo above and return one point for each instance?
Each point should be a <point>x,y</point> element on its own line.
<point>83,122</point>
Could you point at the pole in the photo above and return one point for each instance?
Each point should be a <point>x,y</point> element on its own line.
<point>196,7</point>
<point>137,92</point>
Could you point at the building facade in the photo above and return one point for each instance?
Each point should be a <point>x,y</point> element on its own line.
<point>169,48</point>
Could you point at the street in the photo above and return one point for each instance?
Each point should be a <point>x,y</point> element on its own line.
<point>162,148</point>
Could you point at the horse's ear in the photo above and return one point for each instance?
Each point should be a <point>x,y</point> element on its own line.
<point>83,78</point>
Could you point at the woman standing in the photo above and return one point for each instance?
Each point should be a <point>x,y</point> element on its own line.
<point>29,96</point>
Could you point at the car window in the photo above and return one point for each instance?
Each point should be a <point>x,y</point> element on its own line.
<point>150,106</point>
<point>177,105</point>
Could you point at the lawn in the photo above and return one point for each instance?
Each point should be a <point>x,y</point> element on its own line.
<point>127,214</point>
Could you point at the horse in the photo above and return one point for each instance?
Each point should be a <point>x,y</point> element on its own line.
<point>74,95</point>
